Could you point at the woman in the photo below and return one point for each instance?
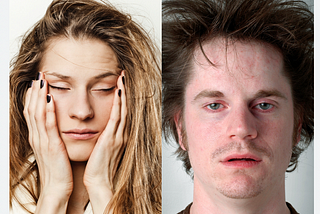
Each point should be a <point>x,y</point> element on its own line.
<point>84,114</point>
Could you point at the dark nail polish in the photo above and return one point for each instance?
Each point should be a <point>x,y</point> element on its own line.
<point>119,92</point>
<point>48,98</point>
<point>38,77</point>
<point>123,80</point>
<point>41,83</point>
<point>30,84</point>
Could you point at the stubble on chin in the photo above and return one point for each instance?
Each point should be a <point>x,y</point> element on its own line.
<point>241,183</point>
<point>243,186</point>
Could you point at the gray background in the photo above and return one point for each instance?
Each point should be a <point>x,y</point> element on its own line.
<point>177,186</point>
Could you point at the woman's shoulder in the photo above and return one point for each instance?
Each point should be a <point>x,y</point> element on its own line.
<point>29,204</point>
<point>25,201</point>
<point>22,198</point>
<point>88,209</point>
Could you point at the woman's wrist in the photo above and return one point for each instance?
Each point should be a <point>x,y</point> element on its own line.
<point>99,196</point>
<point>52,202</point>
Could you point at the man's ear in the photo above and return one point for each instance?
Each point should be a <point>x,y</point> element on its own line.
<point>177,121</point>
<point>299,132</point>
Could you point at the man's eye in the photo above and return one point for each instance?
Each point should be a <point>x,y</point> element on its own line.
<point>214,106</point>
<point>58,88</point>
<point>264,106</point>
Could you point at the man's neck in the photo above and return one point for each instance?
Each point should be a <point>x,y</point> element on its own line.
<point>270,200</point>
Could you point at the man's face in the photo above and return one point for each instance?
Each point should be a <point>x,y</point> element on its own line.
<point>238,119</point>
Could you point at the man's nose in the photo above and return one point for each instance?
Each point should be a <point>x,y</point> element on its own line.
<point>80,106</point>
<point>242,124</point>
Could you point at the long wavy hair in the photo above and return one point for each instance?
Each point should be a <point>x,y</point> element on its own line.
<point>285,24</point>
<point>137,183</point>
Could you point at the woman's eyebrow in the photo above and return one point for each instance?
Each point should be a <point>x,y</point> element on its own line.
<point>106,74</point>
<point>99,76</point>
<point>61,76</point>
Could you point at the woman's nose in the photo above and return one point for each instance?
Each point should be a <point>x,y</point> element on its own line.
<point>80,107</point>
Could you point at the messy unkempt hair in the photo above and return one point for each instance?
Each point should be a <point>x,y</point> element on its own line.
<point>287,25</point>
<point>137,182</point>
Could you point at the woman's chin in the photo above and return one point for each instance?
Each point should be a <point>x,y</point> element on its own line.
<point>78,158</point>
<point>79,152</point>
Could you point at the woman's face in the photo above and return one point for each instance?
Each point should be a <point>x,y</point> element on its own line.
<point>82,76</point>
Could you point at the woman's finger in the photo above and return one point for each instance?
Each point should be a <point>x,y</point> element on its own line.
<point>114,118</point>
<point>120,130</point>
<point>25,110</point>
<point>27,100</point>
<point>51,121</point>
<point>40,112</point>
<point>31,109</point>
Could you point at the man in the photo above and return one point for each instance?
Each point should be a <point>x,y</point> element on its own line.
<point>238,98</point>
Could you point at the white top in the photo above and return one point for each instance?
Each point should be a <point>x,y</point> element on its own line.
<point>27,201</point>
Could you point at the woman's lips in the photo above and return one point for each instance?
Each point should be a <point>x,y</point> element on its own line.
<point>80,134</point>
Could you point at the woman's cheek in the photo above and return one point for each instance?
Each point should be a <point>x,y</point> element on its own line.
<point>61,108</point>
<point>102,108</point>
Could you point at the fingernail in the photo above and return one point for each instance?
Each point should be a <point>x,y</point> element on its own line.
<point>123,80</point>
<point>38,77</point>
<point>30,84</point>
<point>119,92</point>
<point>41,83</point>
<point>48,98</point>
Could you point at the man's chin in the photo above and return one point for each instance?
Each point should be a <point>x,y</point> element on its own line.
<point>241,187</point>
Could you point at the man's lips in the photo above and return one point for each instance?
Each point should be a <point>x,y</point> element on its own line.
<point>241,157</point>
<point>81,134</point>
<point>241,160</point>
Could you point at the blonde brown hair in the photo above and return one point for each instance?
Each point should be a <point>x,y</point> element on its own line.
<point>137,183</point>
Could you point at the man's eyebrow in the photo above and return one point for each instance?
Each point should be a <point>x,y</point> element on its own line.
<point>270,93</point>
<point>259,94</point>
<point>208,93</point>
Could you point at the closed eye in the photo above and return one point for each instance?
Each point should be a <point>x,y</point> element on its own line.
<point>105,89</point>
<point>58,88</point>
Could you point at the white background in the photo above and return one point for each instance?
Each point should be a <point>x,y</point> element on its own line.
<point>23,15</point>
<point>177,186</point>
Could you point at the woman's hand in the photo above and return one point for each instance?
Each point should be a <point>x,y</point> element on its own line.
<point>49,150</point>
<point>104,159</point>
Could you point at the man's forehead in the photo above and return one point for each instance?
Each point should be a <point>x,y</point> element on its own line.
<point>220,65</point>
<point>220,51</point>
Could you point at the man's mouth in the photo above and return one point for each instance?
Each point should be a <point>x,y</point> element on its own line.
<point>241,161</point>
